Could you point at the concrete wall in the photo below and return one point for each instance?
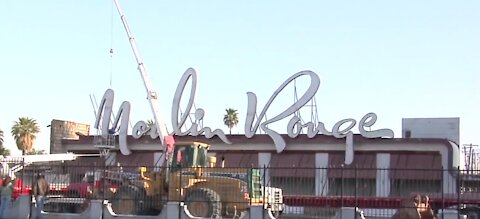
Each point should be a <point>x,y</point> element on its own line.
<point>22,208</point>
<point>60,129</point>
<point>443,128</point>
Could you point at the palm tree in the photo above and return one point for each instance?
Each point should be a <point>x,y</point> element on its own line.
<point>24,132</point>
<point>231,118</point>
<point>3,151</point>
<point>1,137</point>
<point>35,152</point>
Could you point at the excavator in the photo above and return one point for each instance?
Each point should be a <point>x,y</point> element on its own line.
<point>190,176</point>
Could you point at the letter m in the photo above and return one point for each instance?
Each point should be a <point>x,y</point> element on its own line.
<point>120,122</point>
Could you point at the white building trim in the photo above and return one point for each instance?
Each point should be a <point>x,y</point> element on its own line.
<point>383,180</point>
<point>321,174</point>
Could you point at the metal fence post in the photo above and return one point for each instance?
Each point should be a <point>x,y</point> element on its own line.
<point>94,188</point>
<point>251,193</point>
<point>104,185</point>
<point>341,189</point>
<point>263,188</point>
<point>356,192</point>
<point>459,190</point>
<point>443,190</point>
<point>23,174</point>
<point>30,195</point>
<point>181,192</point>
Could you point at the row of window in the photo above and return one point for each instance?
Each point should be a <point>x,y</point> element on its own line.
<point>352,187</point>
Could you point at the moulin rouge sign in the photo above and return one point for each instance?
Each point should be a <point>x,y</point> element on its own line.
<point>341,129</point>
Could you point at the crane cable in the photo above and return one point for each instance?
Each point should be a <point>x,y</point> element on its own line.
<point>111,54</point>
<point>111,44</point>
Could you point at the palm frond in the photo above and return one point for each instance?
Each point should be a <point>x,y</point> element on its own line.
<point>24,132</point>
<point>230,119</point>
<point>1,137</point>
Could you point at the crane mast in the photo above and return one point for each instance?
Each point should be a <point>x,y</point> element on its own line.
<point>152,96</point>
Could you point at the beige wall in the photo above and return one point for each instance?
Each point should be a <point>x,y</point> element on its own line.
<point>65,130</point>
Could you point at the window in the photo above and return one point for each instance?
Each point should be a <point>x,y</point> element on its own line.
<point>88,177</point>
<point>202,157</point>
<point>352,187</point>
<point>181,157</point>
<point>295,185</point>
<point>402,187</point>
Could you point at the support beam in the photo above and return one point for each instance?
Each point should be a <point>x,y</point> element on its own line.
<point>264,163</point>
<point>321,174</point>
<point>383,178</point>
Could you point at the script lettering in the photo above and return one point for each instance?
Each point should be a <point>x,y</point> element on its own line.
<point>139,129</point>
<point>278,141</point>
<point>295,126</point>
<point>312,131</point>
<point>121,126</point>
<point>367,121</point>
<point>199,113</point>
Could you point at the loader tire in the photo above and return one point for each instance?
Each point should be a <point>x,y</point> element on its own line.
<point>128,200</point>
<point>204,202</point>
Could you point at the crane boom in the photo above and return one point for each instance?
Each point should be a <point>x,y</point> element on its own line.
<point>152,96</point>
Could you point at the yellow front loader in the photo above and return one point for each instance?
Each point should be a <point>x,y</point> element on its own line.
<point>192,178</point>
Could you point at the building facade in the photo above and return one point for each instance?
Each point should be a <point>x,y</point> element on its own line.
<point>313,166</point>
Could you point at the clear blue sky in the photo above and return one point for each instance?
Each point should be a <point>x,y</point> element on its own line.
<point>398,59</point>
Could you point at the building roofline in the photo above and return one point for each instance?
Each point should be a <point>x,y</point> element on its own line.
<point>265,139</point>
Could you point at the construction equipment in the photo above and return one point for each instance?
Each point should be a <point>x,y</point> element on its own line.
<point>192,179</point>
<point>206,190</point>
<point>24,168</point>
<point>152,96</point>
